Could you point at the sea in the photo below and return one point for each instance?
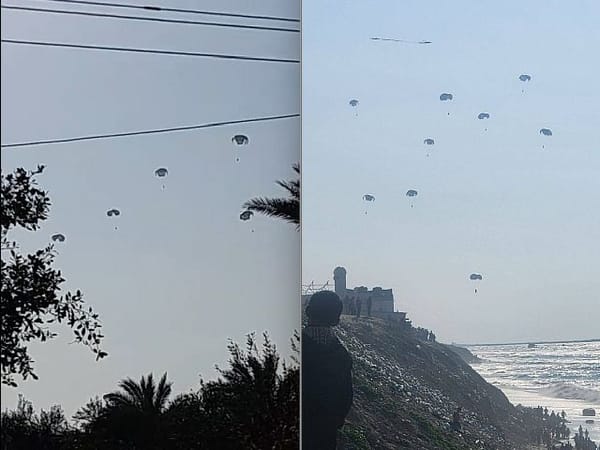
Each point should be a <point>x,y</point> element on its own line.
<point>558,376</point>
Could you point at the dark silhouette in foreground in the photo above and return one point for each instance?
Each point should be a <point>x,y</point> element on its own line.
<point>32,297</point>
<point>254,404</point>
<point>326,374</point>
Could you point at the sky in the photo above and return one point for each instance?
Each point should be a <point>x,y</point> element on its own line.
<point>182,274</point>
<point>493,202</point>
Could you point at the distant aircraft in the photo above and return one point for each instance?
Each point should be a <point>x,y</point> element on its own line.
<point>403,41</point>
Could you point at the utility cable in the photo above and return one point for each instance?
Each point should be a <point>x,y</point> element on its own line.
<point>176,10</point>
<point>143,132</point>
<point>147,50</point>
<point>147,19</point>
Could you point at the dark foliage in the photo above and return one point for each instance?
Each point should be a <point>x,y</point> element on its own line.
<point>30,288</point>
<point>253,405</point>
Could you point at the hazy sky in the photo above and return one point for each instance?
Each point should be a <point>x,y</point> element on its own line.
<point>492,202</point>
<point>182,274</point>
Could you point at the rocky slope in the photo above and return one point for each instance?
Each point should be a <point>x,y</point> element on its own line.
<point>406,391</point>
<point>464,353</point>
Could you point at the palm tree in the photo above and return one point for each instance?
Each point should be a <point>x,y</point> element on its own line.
<point>134,415</point>
<point>145,397</point>
<point>287,208</point>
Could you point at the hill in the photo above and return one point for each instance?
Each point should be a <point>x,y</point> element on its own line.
<point>405,391</point>
<point>464,353</point>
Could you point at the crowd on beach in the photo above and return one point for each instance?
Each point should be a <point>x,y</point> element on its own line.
<point>552,432</point>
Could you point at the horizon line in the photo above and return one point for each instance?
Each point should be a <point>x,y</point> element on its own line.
<point>575,341</point>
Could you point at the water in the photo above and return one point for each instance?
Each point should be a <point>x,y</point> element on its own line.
<point>560,376</point>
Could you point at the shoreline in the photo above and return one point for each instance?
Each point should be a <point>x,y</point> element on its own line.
<point>578,341</point>
<point>572,407</point>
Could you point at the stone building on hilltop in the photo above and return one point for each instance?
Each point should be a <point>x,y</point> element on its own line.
<point>382,300</point>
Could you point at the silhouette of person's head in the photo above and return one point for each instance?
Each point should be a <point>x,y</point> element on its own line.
<point>324,309</point>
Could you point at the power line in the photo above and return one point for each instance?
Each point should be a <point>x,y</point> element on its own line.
<point>142,132</point>
<point>146,50</point>
<point>148,19</point>
<point>177,10</point>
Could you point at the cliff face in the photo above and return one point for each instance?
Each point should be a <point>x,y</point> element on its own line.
<point>464,353</point>
<point>406,390</point>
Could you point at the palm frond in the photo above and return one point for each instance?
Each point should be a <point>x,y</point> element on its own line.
<point>286,209</point>
<point>163,391</point>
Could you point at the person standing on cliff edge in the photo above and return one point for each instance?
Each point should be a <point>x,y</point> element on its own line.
<point>326,374</point>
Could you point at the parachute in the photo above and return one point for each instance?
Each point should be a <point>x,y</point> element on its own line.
<point>354,104</point>
<point>483,116</point>
<point>524,78</point>
<point>113,213</point>
<point>545,132</point>
<point>58,237</point>
<point>475,277</point>
<point>411,193</point>
<point>240,139</point>
<point>428,141</point>
<point>368,198</point>
<point>446,97</point>
<point>161,172</point>
<point>246,215</point>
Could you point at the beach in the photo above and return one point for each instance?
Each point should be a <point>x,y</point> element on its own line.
<point>558,376</point>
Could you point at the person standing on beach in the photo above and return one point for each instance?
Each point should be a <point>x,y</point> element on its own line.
<point>326,374</point>
<point>358,306</point>
<point>369,305</point>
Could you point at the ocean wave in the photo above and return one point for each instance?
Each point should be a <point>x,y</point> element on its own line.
<point>569,391</point>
